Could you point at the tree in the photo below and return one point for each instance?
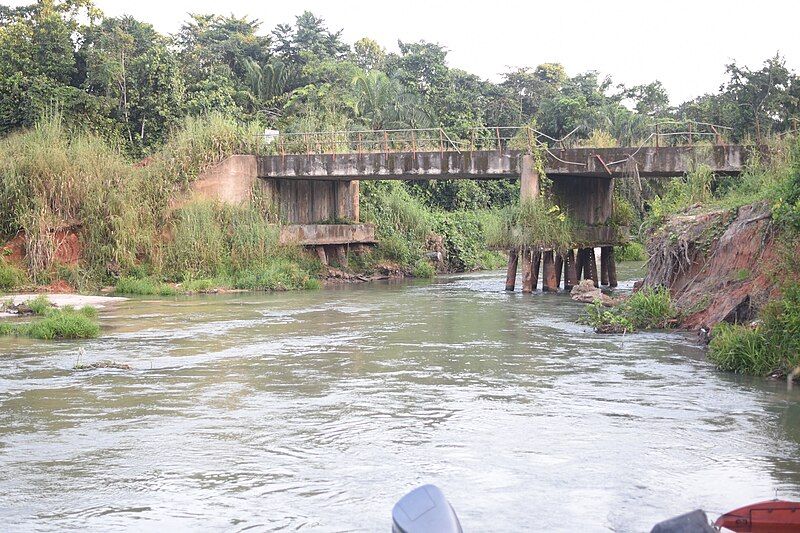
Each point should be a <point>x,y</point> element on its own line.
<point>368,54</point>
<point>383,103</point>
<point>131,65</point>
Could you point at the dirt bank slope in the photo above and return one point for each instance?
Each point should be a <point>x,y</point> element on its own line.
<point>719,265</point>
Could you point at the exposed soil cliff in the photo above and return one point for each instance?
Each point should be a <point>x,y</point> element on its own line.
<point>719,266</point>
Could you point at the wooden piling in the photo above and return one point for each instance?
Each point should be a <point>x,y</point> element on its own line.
<point>548,272</point>
<point>570,271</point>
<point>604,266</point>
<point>527,268</point>
<point>559,268</point>
<point>511,272</point>
<point>580,261</point>
<point>590,267</point>
<point>537,260</point>
<point>612,267</point>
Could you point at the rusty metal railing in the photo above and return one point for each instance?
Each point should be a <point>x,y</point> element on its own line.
<point>664,133</point>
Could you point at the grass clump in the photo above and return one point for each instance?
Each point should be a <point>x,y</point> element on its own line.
<point>65,323</point>
<point>277,275</point>
<point>649,308</point>
<point>143,287</point>
<point>771,347</point>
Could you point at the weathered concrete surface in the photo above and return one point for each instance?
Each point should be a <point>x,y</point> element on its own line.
<point>324,234</point>
<point>229,181</point>
<point>298,201</point>
<point>577,162</point>
<point>301,201</point>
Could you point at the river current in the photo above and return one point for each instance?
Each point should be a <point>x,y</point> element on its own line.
<point>318,410</point>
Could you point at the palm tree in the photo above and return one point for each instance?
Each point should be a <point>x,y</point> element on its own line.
<point>383,103</point>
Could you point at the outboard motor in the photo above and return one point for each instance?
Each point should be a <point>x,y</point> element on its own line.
<point>694,522</point>
<point>424,510</point>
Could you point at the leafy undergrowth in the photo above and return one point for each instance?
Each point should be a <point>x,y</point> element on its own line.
<point>770,347</point>
<point>64,323</point>
<point>648,308</point>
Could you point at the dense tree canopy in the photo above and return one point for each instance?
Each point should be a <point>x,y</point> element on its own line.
<point>122,79</point>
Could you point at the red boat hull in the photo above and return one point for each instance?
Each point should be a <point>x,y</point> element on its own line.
<point>774,516</point>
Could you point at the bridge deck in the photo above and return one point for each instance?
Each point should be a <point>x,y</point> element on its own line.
<point>494,164</point>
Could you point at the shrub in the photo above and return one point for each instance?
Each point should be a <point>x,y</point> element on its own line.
<point>423,269</point>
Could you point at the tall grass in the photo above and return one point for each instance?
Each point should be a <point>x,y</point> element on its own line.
<point>772,346</point>
<point>10,276</point>
<point>649,308</point>
<point>537,223</point>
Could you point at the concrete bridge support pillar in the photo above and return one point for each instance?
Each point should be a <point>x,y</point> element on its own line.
<point>570,271</point>
<point>347,199</point>
<point>529,178</point>
<point>527,270</point>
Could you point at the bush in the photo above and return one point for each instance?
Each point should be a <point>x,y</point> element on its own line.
<point>423,269</point>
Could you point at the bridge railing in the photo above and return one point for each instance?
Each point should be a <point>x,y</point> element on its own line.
<point>663,133</point>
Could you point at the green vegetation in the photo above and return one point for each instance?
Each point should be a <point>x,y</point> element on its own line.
<point>770,347</point>
<point>10,276</point>
<point>630,251</point>
<point>647,308</point>
<point>65,323</point>
<point>536,223</point>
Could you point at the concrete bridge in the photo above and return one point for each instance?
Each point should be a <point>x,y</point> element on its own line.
<point>313,191</point>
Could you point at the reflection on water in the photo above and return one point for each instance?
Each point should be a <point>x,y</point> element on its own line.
<point>319,409</point>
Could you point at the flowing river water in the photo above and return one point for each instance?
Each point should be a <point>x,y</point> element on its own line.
<point>318,410</point>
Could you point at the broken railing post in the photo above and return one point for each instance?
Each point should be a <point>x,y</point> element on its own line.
<point>527,267</point>
<point>511,272</point>
<point>548,272</point>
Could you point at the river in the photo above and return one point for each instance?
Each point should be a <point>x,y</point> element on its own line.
<point>318,410</point>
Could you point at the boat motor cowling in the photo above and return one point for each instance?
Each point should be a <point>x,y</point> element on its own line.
<point>424,510</point>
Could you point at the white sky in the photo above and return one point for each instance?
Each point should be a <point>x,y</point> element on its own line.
<point>684,44</point>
